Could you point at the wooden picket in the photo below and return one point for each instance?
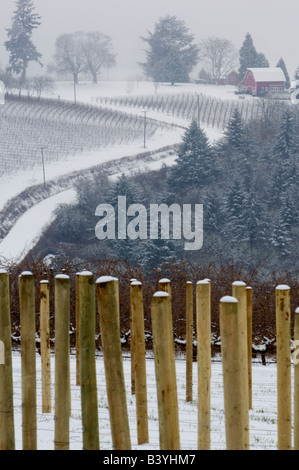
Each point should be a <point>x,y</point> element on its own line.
<point>235,313</point>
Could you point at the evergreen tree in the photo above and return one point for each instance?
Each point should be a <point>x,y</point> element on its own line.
<point>235,225</point>
<point>249,57</point>
<point>21,49</point>
<point>171,54</point>
<point>235,134</point>
<point>281,237</point>
<point>284,154</point>
<point>125,248</point>
<point>194,165</point>
<point>281,64</point>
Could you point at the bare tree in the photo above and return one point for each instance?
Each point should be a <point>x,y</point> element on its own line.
<point>97,53</point>
<point>68,56</point>
<point>219,55</point>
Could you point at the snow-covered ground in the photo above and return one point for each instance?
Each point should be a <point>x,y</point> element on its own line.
<point>263,416</point>
<point>25,234</point>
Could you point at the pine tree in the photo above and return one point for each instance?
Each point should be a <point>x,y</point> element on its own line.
<point>171,54</point>
<point>281,64</point>
<point>249,57</point>
<point>194,165</point>
<point>235,134</point>
<point>284,154</point>
<point>19,44</point>
<point>281,237</point>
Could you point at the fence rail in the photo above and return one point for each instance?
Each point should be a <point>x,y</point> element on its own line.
<point>101,298</point>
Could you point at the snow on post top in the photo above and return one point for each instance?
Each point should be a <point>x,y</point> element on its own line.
<point>44,282</point>
<point>203,281</point>
<point>189,282</point>
<point>239,283</point>
<point>3,271</point>
<point>164,281</point>
<point>248,287</point>
<point>104,279</point>
<point>297,310</point>
<point>85,273</point>
<point>229,299</point>
<point>160,293</point>
<point>62,276</point>
<point>282,287</point>
<point>136,283</point>
<point>133,279</point>
<point>26,273</point>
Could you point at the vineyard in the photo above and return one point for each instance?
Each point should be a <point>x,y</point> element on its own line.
<point>63,129</point>
<point>210,111</point>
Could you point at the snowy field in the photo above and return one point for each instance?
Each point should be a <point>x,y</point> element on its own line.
<point>263,416</point>
<point>30,226</point>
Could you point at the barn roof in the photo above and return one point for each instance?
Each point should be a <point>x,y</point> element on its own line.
<point>268,74</point>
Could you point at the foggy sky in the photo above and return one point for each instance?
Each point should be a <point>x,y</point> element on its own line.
<point>273,25</point>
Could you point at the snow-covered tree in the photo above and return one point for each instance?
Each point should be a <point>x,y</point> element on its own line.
<point>19,44</point>
<point>194,164</point>
<point>249,57</point>
<point>281,64</point>
<point>171,53</point>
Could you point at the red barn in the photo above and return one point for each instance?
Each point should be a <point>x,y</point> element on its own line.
<point>260,81</point>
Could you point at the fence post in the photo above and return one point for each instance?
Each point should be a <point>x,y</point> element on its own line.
<point>203,326</point>
<point>283,356</point>
<point>235,403</point>
<point>28,358</point>
<point>139,364</point>
<point>62,362</point>
<point>239,292</point>
<point>296,381</point>
<point>45,346</point>
<point>77,329</point>
<point>108,305</point>
<point>189,340</point>
<point>132,342</point>
<point>7,431</point>
<point>165,372</point>
<point>249,343</point>
<point>88,380</point>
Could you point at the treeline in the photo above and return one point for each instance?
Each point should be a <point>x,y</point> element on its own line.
<point>247,183</point>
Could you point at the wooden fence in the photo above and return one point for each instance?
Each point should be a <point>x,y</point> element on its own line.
<point>102,296</point>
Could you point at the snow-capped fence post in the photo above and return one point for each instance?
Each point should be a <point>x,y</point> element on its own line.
<point>283,358</point>
<point>88,378</point>
<point>165,372</point>
<point>45,346</point>
<point>235,402</point>
<point>203,327</point>
<point>249,343</point>
<point>62,362</point>
<point>296,380</point>
<point>77,329</point>
<point>7,433</point>
<point>108,305</point>
<point>139,362</point>
<point>28,359</point>
<point>132,341</point>
<point>239,292</point>
<point>189,340</point>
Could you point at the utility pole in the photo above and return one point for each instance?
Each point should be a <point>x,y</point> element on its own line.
<point>43,163</point>
<point>144,137</point>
